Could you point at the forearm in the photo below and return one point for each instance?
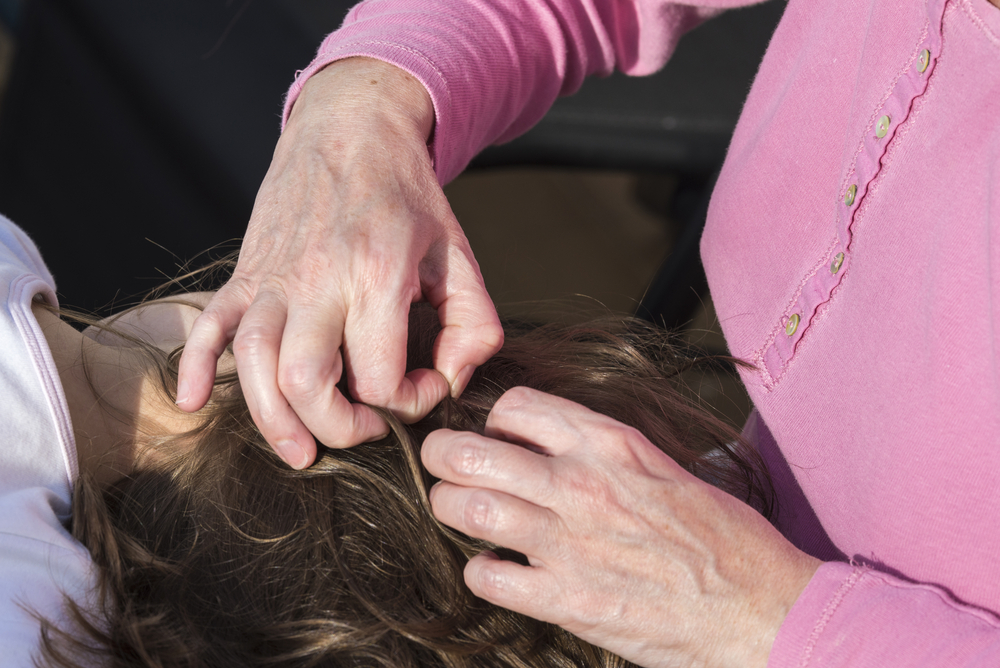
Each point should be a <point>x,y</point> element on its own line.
<point>492,69</point>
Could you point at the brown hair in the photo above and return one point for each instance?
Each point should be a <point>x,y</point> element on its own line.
<point>219,554</point>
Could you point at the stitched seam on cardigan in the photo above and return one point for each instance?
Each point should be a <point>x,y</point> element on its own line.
<point>916,105</point>
<point>871,121</point>
<point>355,45</point>
<point>343,51</point>
<point>862,205</point>
<point>984,615</point>
<point>824,306</point>
<point>828,612</point>
<point>976,19</point>
<point>892,86</point>
<point>770,381</point>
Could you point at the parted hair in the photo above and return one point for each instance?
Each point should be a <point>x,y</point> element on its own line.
<point>216,553</point>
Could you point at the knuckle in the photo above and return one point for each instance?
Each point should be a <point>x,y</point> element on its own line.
<point>210,316</point>
<point>491,583</point>
<point>240,287</point>
<point>584,609</point>
<point>512,400</point>
<point>211,324</point>
<point>546,487</point>
<point>628,447</point>
<point>248,341</point>
<point>468,458</point>
<point>268,417</point>
<point>370,390</point>
<point>491,337</point>
<point>623,438</point>
<point>300,379</point>
<point>480,513</point>
<point>386,273</point>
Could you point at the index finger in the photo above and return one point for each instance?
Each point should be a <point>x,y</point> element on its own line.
<point>545,422</point>
<point>469,460</point>
<point>565,429</point>
<point>211,333</point>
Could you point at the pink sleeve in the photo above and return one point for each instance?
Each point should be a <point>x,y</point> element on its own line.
<point>857,617</point>
<point>494,67</point>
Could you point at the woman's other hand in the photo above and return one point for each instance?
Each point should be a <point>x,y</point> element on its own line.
<point>350,227</point>
<point>626,549</point>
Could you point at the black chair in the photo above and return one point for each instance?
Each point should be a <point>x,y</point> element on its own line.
<point>143,130</point>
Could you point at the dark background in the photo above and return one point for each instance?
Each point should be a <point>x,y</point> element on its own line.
<point>140,130</point>
<point>134,135</point>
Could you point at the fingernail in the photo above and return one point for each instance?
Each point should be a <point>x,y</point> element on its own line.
<point>182,392</point>
<point>293,454</point>
<point>461,380</point>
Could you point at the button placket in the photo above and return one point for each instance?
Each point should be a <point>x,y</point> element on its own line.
<point>819,286</point>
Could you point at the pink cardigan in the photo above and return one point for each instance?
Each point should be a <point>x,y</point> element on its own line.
<point>850,252</point>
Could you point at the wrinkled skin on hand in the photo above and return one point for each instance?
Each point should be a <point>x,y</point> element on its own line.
<point>625,548</point>
<point>350,226</point>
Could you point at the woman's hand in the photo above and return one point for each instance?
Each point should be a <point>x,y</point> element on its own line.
<point>349,228</point>
<point>626,549</point>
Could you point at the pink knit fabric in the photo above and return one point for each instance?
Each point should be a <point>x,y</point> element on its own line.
<point>879,412</point>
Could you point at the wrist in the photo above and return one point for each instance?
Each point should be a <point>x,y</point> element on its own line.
<point>787,582</point>
<point>362,94</point>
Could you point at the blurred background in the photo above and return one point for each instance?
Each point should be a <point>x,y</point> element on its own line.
<point>134,135</point>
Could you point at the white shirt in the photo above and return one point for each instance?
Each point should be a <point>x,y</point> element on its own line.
<point>39,560</point>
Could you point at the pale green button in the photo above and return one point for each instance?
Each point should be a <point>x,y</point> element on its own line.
<point>792,324</point>
<point>838,260</point>
<point>923,60</point>
<point>882,127</point>
<point>850,194</point>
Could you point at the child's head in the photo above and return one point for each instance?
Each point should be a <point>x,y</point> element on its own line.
<point>214,552</point>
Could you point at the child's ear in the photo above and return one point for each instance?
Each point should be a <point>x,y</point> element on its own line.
<point>164,323</point>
